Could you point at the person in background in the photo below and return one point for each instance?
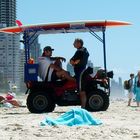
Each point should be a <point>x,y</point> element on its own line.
<point>9,100</point>
<point>137,88</point>
<point>79,62</point>
<point>130,90</point>
<point>50,68</point>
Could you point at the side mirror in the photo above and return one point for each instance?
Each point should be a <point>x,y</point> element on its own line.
<point>89,70</point>
<point>110,74</point>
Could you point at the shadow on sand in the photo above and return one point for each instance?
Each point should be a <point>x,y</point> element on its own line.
<point>134,106</point>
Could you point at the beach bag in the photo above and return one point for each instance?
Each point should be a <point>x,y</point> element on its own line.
<point>127,84</point>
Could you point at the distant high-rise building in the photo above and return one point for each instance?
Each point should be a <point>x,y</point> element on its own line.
<point>35,49</point>
<point>21,69</point>
<point>117,90</point>
<point>90,64</point>
<point>9,44</point>
<point>120,82</point>
<point>8,12</point>
<point>70,69</point>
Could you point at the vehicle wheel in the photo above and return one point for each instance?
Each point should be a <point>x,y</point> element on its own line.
<point>97,101</point>
<point>40,102</point>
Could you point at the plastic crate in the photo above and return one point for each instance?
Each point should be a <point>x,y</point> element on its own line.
<point>30,72</point>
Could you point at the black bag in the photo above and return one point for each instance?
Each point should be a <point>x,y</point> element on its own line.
<point>127,84</point>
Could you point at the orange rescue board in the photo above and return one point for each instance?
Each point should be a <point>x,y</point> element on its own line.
<point>66,27</point>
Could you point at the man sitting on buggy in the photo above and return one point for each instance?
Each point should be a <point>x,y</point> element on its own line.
<point>50,68</point>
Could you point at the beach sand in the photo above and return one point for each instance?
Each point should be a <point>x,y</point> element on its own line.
<point>119,123</point>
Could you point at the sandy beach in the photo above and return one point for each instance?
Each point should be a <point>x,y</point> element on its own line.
<point>119,123</point>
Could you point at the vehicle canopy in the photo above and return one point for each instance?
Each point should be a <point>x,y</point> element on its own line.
<point>92,26</point>
<point>65,27</point>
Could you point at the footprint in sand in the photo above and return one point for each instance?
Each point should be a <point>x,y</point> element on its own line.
<point>136,136</point>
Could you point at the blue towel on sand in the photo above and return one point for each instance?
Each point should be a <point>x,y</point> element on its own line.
<point>74,117</point>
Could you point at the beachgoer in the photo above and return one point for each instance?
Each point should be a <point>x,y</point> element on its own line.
<point>130,90</point>
<point>50,68</point>
<point>9,100</point>
<point>137,88</point>
<point>79,62</point>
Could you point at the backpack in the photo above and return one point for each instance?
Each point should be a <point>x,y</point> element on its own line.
<point>127,84</point>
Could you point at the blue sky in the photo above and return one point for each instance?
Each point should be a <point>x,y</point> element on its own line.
<point>122,43</point>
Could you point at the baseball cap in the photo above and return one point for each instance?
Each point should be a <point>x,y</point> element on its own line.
<point>48,48</point>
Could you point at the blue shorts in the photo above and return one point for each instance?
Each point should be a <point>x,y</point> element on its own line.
<point>78,72</point>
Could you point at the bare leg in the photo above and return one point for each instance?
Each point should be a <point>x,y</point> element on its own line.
<point>138,104</point>
<point>129,102</point>
<point>65,75</point>
<point>83,99</point>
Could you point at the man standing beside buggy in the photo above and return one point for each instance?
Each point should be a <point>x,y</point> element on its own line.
<point>79,62</point>
<point>130,90</point>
